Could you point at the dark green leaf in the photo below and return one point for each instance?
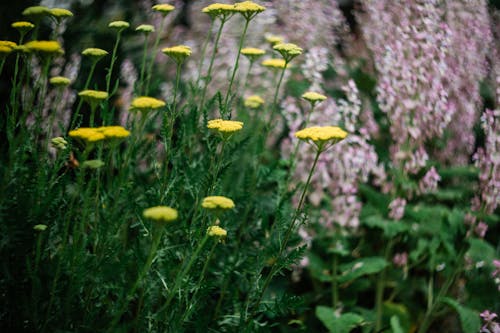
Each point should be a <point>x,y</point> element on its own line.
<point>360,267</point>
<point>341,324</point>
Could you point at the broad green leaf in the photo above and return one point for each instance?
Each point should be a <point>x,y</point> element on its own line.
<point>341,324</point>
<point>480,250</point>
<point>318,268</point>
<point>390,228</point>
<point>469,319</point>
<point>360,267</point>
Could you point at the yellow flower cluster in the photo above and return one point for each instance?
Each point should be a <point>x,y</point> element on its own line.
<point>92,96</point>
<point>44,46</point>
<point>120,25</point>
<point>6,47</point>
<point>145,103</point>
<point>177,53</point>
<point>60,13</point>
<point>160,214</point>
<point>163,8</point>
<point>313,97</point>
<point>59,143</point>
<point>322,134</point>
<point>94,52</point>
<point>217,202</point>
<point>145,28</point>
<point>274,39</point>
<point>59,81</point>
<point>253,102</point>
<point>248,9</point>
<point>36,11</point>
<point>94,134</point>
<point>252,51</point>
<point>288,50</point>
<point>216,231</point>
<point>221,10</point>
<point>23,26</point>
<point>274,63</point>
<point>225,126</point>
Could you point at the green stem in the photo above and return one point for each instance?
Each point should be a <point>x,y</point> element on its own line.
<point>276,93</point>
<point>288,233</point>
<point>208,78</point>
<point>235,69</point>
<point>246,78</point>
<point>80,103</point>
<point>335,289</point>
<point>112,64</point>
<point>379,289</point>
<point>203,51</point>
<point>143,65</point>
<point>152,60</point>
<point>147,265</point>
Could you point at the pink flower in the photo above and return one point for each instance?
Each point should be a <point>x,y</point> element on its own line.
<point>397,208</point>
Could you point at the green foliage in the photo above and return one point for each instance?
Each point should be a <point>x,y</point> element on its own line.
<point>343,323</point>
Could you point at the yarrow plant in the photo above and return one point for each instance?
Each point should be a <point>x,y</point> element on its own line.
<point>250,167</point>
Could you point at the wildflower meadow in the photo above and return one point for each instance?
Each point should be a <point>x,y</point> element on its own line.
<point>268,166</point>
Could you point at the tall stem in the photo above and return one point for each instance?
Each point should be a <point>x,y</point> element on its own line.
<point>203,51</point>
<point>335,288</point>
<point>235,69</point>
<point>112,64</point>
<point>143,65</point>
<point>288,233</point>
<point>208,78</point>
<point>152,60</point>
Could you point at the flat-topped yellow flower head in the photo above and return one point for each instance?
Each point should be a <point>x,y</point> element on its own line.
<point>22,26</point>
<point>145,28</point>
<point>313,97</point>
<point>87,134</point>
<point>60,13</point>
<point>163,8</point>
<point>322,136</point>
<point>275,63</point>
<point>253,102</point>
<point>8,43</point>
<point>145,103</point>
<point>119,25</point>
<point>59,81</point>
<point>177,53</point>
<point>274,39</point>
<point>93,95</point>
<point>216,231</point>
<point>161,214</point>
<point>45,47</point>
<point>252,53</point>
<point>113,132</point>
<point>219,10</point>
<point>288,50</point>
<point>94,53</point>
<point>217,202</point>
<point>36,11</point>
<point>248,9</point>
<point>225,127</point>
<point>6,48</point>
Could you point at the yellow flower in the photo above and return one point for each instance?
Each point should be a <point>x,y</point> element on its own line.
<point>36,11</point>
<point>94,52</point>
<point>164,8</point>
<point>40,227</point>
<point>248,9</point>
<point>216,231</point>
<point>8,43</point>
<point>145,28</point>
<point>177,53</point>
<point>220,10</point>
<point>274,63</point>
<point>44,46</point>
<point>320,135</point>
<point>288,50</point>
<point>217,203</point>
<point>274,39</point>
<point>146,103</point>
<point>59,143</point>
<point>313,97</point>
<point>160,214</point>
<point>4,50</point>
<point>93,95</point>
<point>252,53</point>
<point>22,26</point>
<point>59,81</point>
<point>87,134</point>
<point>60,13</point>
<point>253,102</point>
<point>113,132</point>
<point>119,25</point>
<point>225,127</point>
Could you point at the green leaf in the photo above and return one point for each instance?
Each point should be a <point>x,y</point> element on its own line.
<point>341,324</point>
<point>396,325</point>
<point>469,319</point>
<point>360,267</point>
<point>480,250</point>
<point>390,228</point>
